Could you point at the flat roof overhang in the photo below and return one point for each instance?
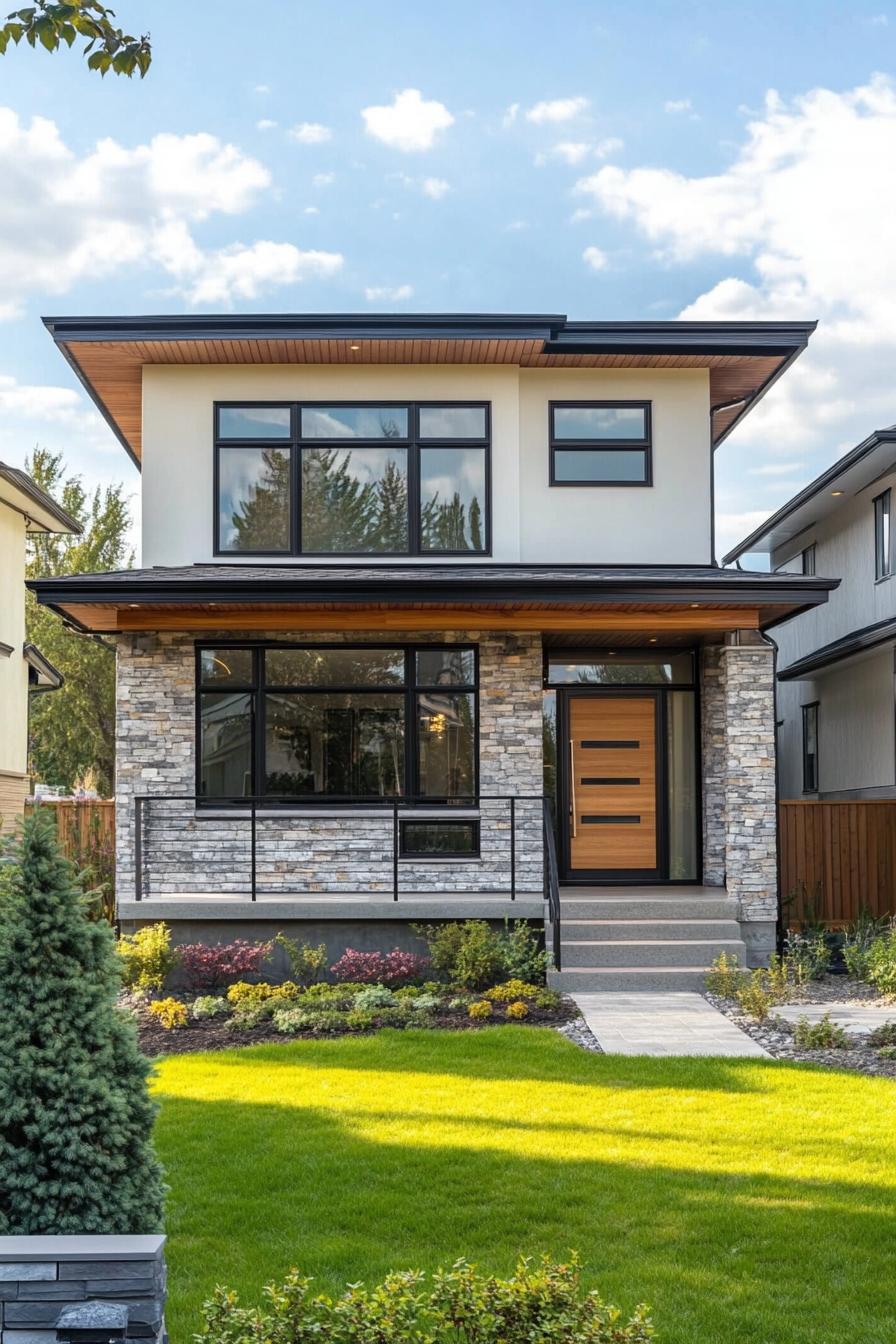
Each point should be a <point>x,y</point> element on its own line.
<point>677,604</point>
<point>108,354</point>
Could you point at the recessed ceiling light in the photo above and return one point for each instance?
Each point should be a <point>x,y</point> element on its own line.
<point>652,639</point>
<point>835,493</point>
<point>354,347</point>
<point>695,604</point>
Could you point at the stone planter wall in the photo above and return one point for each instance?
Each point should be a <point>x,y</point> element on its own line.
<point>43,1277</point>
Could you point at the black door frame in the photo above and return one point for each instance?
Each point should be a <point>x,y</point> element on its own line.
<point>659,876</point>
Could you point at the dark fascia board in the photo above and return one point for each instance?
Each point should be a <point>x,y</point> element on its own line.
<point>827,478</point>
<point>291,587</point>
<point>43,668</point>
<point>858,641</point>
<point>307,326</point>
<point>31,490</point>
<point>662,338</point>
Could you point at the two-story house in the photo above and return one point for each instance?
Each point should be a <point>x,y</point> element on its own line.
<point>836,688</point>
<point>24,509</point>
<point>429,625</point>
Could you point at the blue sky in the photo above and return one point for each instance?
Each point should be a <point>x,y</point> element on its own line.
<point>624,160</point>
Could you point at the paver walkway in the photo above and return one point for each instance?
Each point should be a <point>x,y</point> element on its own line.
<point>671,1023</point>
<point>853,1017</point>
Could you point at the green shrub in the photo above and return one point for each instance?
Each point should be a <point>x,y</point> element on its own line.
<point>858,939</point>
<point>359,1019</point>
<point>779,977</point>
<point>881,969</point>
<point>724,977</point>
<point>887,1052</point>
<point>423,1003</point>
<point>755,997</point>
<point>471,955</point>
<point>821,1035</point>
<point>524,957</point>
<point>334,996</point>
<point>307,963</point>
<point>459,1001</point>
<point>169,1013</point>
<point>807,955</point>
<point>331,1020</point>
<point>548,999</point>
<point>76,1120</point>
<point>248,1015</point>
<point>289,1020</point>
<point>539,1304</point>
<point>147,958</point>
<point>209,1005</point>
<point>885,1034</point>
<point>375,996</point>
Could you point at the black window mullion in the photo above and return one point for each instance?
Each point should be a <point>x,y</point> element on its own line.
<point>258,727</point>
<point>411,757</point>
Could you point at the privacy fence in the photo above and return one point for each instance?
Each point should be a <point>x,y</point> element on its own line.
<point>837,859</point>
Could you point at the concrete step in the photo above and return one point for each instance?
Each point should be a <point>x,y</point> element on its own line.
<point>631,930</point>
<point>627,979</point>
<point>671,952</point>
<point>648,907</point>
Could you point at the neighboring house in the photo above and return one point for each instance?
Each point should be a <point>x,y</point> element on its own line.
<point>405,579</point>
<point>24,508</point>
<point>837,724</point>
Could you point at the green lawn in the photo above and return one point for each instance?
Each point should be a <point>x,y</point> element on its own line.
<point>745,1201</point>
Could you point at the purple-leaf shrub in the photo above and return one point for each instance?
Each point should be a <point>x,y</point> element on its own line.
<point>373,968</point>
<point>207,967</point>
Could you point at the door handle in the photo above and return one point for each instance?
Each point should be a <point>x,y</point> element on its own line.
<point>572,785</point>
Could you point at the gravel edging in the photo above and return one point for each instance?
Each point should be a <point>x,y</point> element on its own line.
<point>580,1034</point>
<point>776,1035</point>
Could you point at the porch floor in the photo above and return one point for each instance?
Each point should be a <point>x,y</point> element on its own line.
<point>361,905</point>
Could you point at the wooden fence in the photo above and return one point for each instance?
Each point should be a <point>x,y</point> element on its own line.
<point>840,859</point>
<point>80,824</point>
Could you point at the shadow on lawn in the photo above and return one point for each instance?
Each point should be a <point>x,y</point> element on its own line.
<point>724,1258</point>
<point>504,1053</point>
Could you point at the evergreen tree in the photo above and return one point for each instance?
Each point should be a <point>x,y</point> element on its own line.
<point>72,731</point>
<point>339,512</point>
<point>262,521</point>
<point>476,541</point>
<point>76,1118</point>
<point>392,509</point>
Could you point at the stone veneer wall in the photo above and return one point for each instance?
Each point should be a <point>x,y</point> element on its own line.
<point>352,852</point>
<point>739,803</point>
<point>41,1276</point>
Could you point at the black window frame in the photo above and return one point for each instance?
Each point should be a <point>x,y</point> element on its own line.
<point>294,444</point>
<point>811,774</point>
<point>644,444</point>
<point>442,855</point>
<point>883,562</point>
<point>808,558</point>
<point>409,692</point>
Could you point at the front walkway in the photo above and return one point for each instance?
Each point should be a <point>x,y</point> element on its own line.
<point>854,1018</point>
<point>671,1023</point>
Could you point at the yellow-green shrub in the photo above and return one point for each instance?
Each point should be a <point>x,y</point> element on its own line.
<point>147,957</point>
<point>511,990</point>
<point>479,1010</point>
<point>517,1010</point>
<point>724,977</point>
<point>169,1013</point>
<point>242,993</point>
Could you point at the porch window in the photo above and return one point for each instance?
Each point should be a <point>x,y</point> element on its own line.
<point>810,747</point>
<point>600,442</point>
<point>352,478</point>
<point>337,722</point>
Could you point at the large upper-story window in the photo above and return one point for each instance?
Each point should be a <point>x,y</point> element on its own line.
<point>321,722</point>
<point>600,442</point>
<point>883,539</point>
<point>397,478</point>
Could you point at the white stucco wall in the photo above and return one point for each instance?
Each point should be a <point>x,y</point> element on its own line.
<point>13,669</point>
<point>666,523</point>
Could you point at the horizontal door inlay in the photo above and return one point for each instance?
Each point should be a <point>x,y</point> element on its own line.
<point>611,821</point>
<point>610,746</point>
<point>609,779</point>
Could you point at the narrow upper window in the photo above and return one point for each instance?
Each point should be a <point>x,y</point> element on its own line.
<point>352,479</point>
<point>810,748</point>
<point>808,559</point>
<point>600,443</point>
<point>883,540</point>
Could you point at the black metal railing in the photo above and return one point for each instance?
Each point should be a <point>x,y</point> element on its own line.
<point>551,881</point>
<point>246,810</point>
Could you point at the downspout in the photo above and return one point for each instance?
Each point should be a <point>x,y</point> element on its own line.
<point>779,924</point>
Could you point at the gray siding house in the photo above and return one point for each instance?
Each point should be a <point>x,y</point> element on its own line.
<point>836,685</point>
<point>430,626</point>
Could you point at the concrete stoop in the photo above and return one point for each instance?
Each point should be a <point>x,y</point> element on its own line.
<point>652,940</point>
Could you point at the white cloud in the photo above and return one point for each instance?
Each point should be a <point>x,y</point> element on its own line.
<point>388,293</point>
<point>262,88</point>
<point>435,187</point>
<point>575,152</point>
<point>510,115</point>
<point>311,210</point>
<point>802,222</point>
<point>610,145</point>
<point>310,133</point>
<point>409,123</point>
<point>557,109</point>
<point>265,124</point>
<point>595,259</point>
<point>37,402</point>
<point>733,527</point>
<point>516,226</point>
<point>323,179</point>
<point>777,469</point>
<point>679,106</point>
<point>65,218</point>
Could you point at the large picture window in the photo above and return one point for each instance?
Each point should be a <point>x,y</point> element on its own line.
<point>288,722</point>
<point>600,442</point>
<point>352,479</point>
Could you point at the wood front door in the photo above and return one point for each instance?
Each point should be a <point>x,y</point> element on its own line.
<point>612,784</point>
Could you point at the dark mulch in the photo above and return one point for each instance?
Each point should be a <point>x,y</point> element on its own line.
<point>219,1034</point>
